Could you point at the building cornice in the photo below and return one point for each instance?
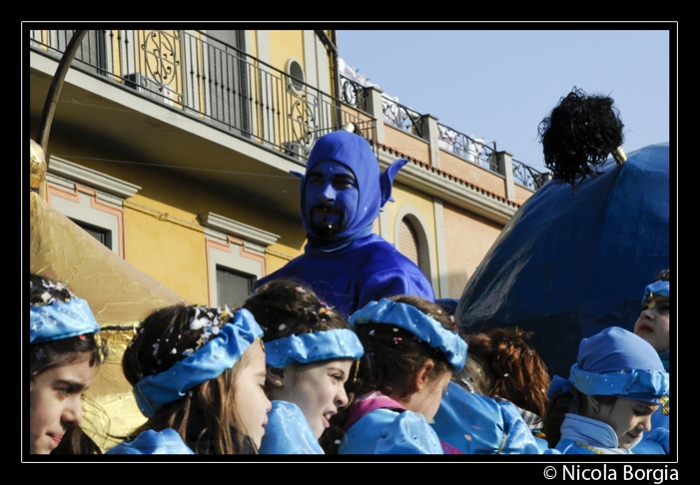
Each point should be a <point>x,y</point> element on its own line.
<point>449,188</point>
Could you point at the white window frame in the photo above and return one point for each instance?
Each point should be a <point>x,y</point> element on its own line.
<point>236,246</point>
<point>91,197</point>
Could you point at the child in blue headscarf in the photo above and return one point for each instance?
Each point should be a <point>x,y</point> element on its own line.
<point>653,326</point>
<point>606,404</point>
<point>64,354</point>
<point>411,352</point>
<point>198,375</point>
<point>311,352</point>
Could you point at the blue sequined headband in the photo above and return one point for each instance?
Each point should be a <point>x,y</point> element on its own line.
<point>313,347</point>
<point>657,288</point>
<point>418,323</point>
<point>60,320</point>
<point>206,363</point>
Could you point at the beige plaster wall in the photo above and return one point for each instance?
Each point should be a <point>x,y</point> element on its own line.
<point>468,237</point>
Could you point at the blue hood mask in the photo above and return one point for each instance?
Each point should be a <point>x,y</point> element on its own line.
<point>374,189</point>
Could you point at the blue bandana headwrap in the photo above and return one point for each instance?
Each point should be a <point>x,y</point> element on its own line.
<point>418,323</point>
<point>374,189</point>
<point>657,288</point>
<point>206,363</point>
<point>616,362</point>
<point>313,347</point>
<point>58,320</point>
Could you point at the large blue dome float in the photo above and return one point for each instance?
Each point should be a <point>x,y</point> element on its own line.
<point>570,263</point>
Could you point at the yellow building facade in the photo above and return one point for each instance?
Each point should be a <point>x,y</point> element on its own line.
<point>174,149</point>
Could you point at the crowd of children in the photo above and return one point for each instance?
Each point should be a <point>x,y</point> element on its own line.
<point>395,378</point>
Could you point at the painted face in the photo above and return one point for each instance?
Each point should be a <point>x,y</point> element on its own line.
<point>331,197</point>
<point>54,403</point>
<point>250,401</point>
<point>318,389</point>
<point>653,323</point>
<point>428,400</point>
<point>628,418</point>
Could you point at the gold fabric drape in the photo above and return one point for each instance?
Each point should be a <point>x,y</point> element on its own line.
<point>118,294</point>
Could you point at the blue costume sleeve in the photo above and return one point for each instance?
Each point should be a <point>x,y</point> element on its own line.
<point>288,432</point>
<point>384,431</point>
<point>519,438</point>
<point>656,442</point>
<point>166,442</point>
<point>476,424</point>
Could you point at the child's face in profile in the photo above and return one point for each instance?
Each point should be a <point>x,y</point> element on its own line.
<point>628,418</point>
<point>250,400</point>
<point>653,323</point>
<point>54,403</point>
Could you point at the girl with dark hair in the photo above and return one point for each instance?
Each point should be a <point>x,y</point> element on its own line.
<point>65,352</point>
<point>411,352</point>
<point>198,375</point>
<point>606,404</point>
<point>310,353</point>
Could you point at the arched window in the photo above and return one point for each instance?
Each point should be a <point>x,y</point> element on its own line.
<point>408,241</point>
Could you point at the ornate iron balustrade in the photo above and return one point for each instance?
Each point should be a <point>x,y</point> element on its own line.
<point>214,82</point>
<point>528,177</point>
<point>401,116</point>
<point>473,150</point>
<point>353,93</point>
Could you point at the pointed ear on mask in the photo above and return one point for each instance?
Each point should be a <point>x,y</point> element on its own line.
<point>386,179</point>
<point>298,174</point>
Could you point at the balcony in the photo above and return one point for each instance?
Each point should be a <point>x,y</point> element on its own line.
<point>474,151</point>
<point>211,82</point>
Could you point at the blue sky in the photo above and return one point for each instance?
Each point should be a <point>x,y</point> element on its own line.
<point>498,85</point>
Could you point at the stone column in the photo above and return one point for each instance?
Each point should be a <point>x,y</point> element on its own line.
<point>431,134</point>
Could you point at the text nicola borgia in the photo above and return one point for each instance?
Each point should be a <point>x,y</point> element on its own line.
<point>629,472</point>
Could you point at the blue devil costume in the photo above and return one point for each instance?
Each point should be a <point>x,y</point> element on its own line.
<point>377,424</point>
<point>220,350</point>
<point>614,362</point>
<point>287,430</point>
<point>354,266</point>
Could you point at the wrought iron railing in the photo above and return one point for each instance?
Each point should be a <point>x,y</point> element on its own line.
<point>213,82</point>
<point>394,113</point>
<point>473,150</point>
<point>529,177</point>
<point>353,93</point>
<point>478,152</point>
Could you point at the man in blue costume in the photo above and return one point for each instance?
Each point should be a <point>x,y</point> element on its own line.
<point>341,195</point>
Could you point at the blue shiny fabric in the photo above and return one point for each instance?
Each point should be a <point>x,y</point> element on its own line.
<point>313,347</point>
<point>476,424</point>
<point>60,320</point>
<point>288,432</point>
<point>657,288</point>
<point>367,269</point>
<point>413,320</point>
<point>206,363</point>
<point>655,442</point>
<point>616,362</point>
<point>386,432</point>
<point>166,442</point>
<point>585,436</point>
<point>569,264</point>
